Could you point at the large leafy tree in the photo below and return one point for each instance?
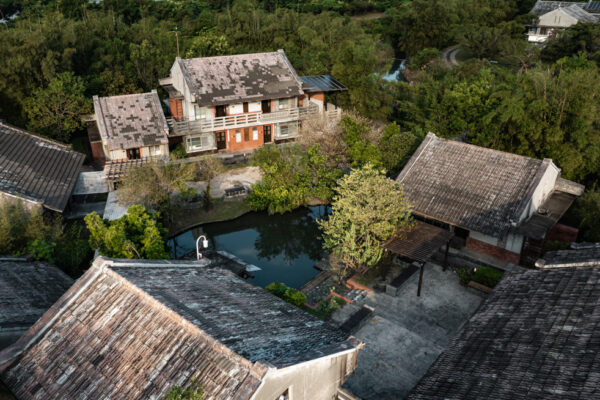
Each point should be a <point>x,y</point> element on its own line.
<point>56,110</point>
<point>367,210</point>
<point>138,234</point>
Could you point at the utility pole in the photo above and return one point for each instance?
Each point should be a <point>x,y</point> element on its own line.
<point>177,40</point>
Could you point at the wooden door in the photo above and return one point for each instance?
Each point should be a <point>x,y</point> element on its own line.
<point>267,133</point>
<point>221,138</point>
<point>266,106</point>
<point>221,111</point>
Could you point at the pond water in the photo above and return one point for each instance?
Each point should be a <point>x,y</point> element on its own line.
<point>285,247</point>
<point>395,73</point>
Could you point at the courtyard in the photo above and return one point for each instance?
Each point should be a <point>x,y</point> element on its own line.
<point>405,333</point>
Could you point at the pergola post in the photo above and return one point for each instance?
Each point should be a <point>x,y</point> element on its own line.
<point>420,279</point>
<point>446,255</point>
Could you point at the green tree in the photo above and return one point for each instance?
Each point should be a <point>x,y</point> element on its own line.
<point>192,392</point>
<point>587,212</point>
<point>396,147</point>
<point>367,210</point>
<point>207,44</point>
<point>138,234</point>
<point>358,135</point>
<point>57,109</point>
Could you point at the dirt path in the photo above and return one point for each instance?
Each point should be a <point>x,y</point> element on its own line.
<point>449,55</point>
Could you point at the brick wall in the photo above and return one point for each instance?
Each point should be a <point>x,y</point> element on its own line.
<point>563,233</point>
<point>98,152</point>
<point>176,109</point>
<point>494,251</point>
<point>244,144</point>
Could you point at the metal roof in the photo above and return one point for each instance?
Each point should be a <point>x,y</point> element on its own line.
<point>37,168</point>
<point>321,83</point>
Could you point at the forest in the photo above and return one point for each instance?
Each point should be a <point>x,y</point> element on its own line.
<point>504,94</point>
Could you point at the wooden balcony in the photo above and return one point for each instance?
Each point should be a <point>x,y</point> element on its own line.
<point>181,128</point>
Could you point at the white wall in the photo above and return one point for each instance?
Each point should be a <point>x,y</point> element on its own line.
<point>164,150</point>
<point>512,242</point>
<point>118,154</point>
<point>557,18</point>
<point>235,109</point>
<point>254,106</point>
<point>542,191</point>
<point>203,113</point>
<point>180,84</point>
<point>313,380</point>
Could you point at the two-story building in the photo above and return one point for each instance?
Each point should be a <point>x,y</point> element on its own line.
<point>241,102</point>
<point>128,127</point>
<point>553,16</point>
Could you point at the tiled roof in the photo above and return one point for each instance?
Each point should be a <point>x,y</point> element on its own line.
<point>580,14</point>
<point>593,7</point>
<point>535,337</point>
<point>27,290</point>
<point>542,7</point>
<point>242,77</point>
<point>133,329</point>
<point>321,83</point>
<point>131,120</point>
<point>470,186</point>
<point>584,256</point>
<point>420,243</point>
<point>37,168</point>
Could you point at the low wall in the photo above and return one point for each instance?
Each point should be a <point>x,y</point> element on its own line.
<point>494,251</point>
<point>563,233</point>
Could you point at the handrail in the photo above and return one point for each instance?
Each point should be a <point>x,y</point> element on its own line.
<point>242,120</point>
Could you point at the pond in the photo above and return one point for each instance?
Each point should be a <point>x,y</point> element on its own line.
<point>285,247</point>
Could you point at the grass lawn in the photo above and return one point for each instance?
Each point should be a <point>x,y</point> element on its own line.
<point>220,211</point>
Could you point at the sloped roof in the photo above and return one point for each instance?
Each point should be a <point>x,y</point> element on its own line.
<point>535,337</point>
<point>580,14</point>
<point>131,120</point>
<point>321,83</point>
<point>27,290</point>
<point>37,168</point>
<point>241,77</point>
<point>584,256</point>
<point>469,186</point>
<point>542,7</point>
<point>133,329</point>
<point>593,7</point>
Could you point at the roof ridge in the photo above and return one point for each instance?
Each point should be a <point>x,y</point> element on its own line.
<point>229,55</point>
<point>36,136</point>
<point>127,95</point>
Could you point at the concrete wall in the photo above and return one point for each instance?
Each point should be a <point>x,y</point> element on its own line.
<point>163,151</point>
<point>180,84</point>
<point>318,99</point>
<point>557,18</point>
<point>254,106</point>
<point>543,190</point>
<point>313,380</point>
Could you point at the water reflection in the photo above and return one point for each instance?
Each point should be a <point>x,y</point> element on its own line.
<point>286,247</point>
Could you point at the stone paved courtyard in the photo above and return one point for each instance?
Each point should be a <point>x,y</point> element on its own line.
<point>405,334</point>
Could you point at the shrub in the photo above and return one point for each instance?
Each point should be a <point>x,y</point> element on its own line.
<point>288,294</point>
<point>178,152</point>
<point>487,276</point>
<point>277,288</point>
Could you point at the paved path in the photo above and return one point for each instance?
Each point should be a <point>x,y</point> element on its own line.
<point>449,56</point>
<point>407,333</point>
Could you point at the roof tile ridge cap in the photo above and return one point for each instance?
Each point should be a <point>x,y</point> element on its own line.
<point>160,112</point>
<point>507,153</point>
<point>36,136</point>
<point>126,95</point>
<point>49,318</point>
<point>186,76</point>
<point>175,316</point>
<point>100,120</point>
<point>281,53</point>
<point>416,155</point>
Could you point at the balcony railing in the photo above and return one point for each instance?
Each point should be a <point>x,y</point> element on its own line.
<point>180,128</point>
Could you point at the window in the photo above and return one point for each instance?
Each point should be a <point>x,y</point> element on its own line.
<point>201,112</point>
<point>284,396</point>
<point>246,134</point>
<point>154,151</point>
<point>254,133</point>
<point>238,136</point>
<point>284,130</point>
<point>198,142</point>
<point>286,103</point>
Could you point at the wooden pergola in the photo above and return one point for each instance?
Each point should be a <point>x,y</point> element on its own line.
<point>420,244</point>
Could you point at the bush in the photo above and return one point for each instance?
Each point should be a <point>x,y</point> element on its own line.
<point>486,276</point>
<point>178,152</point>
<point>288,294</point>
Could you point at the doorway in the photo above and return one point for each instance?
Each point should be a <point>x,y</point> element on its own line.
<point>221,140</point>
<point>133,154</point>
<point>267,133</point>
<point>221,111</point>
<point>266,106</point>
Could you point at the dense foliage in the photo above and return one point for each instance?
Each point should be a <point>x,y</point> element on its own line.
<point>138,234</point>
<point>27,232</point>
<point>291,295</point>
<point>292,177</point>
<point>486,276</point>
<point>367,209</point>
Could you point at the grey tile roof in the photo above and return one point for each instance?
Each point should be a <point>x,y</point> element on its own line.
<point>535,337</point>
<point>132,329</point>
<point>131,120</point>
<point>580,14</point>
<point>542,7</point>
<point>584,256</point>
<point>37,168</point>
<point>242,77</point>
<point>470,186</point>
<point>27,290</point>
